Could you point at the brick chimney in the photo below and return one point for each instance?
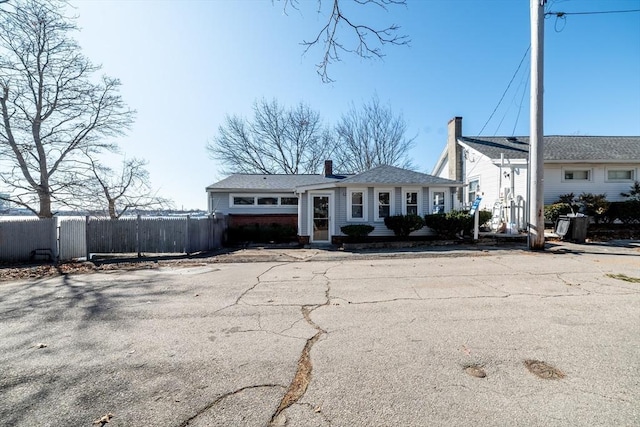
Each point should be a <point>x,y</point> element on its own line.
<point>328,168</point>
<point>454,131</point>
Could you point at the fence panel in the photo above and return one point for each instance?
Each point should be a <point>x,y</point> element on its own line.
<point>199,234</point>
<point>105,235</point>
<point>25,239</point>
<point>72,238</point>
<point>163,235</point>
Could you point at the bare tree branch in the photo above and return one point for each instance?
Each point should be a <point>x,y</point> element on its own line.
<point>371,136</point>
<point>362,40</point>
<point>53,110</point>
<point>276,140</point>
<point>114,192</point>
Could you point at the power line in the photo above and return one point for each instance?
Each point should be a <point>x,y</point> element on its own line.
<point>561,14</point>
<point>505,91</point>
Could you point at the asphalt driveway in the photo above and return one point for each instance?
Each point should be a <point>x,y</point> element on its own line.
<point>416,338</point>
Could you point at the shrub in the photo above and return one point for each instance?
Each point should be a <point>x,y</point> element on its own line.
<point>403,225</point>
<point>357,231</point>
<point>634,192</point>
<point>552,212</point>
<point>594,205</point>
<point>627,212</point>
<point>454,222</point>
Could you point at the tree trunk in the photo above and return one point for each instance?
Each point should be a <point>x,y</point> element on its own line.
<point>45,204</point>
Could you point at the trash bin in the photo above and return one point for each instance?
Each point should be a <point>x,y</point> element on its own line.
<point>573,227</point>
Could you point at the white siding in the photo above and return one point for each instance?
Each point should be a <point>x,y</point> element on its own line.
<point>555,185</point>
<point>477,166</point>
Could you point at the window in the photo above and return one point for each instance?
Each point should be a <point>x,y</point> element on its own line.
<point>383,204</point>
<point>244,201</point>
<point>620,175</point>
<point>267,200</point>
<point>262,200</point>
<point>412,199</point>
<point>474,188</point>
<point>577,175</point>
<point>438,202</point>
<point>289,201</point>
<point>357,205</point>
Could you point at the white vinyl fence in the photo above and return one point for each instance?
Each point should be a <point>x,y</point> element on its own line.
<point>68,238</point>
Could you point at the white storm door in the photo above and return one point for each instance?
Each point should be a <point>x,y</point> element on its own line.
<point>320,218</point>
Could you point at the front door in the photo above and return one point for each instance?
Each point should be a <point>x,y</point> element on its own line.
<point>320,219</point>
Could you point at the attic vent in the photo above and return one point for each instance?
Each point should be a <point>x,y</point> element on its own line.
<point>511,139</point>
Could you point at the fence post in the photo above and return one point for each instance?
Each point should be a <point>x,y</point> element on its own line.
<point>187,240</point>
<point>86,237</point>
<point>55,251</point>
<point>211,237</point>
<point>138,236</point>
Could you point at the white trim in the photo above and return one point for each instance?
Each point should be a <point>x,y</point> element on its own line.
<point>444,192</point>
<point>376,198</point>
<point>467,188</point>
<point>330,195</point>
<point>255,196</point>
<point>365,205</point>
<point>419,192</point>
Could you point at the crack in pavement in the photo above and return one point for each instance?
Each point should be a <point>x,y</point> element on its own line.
<point>302,377</point>
<point>224,396</point>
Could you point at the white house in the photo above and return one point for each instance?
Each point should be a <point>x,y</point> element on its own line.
<point>496,168</point>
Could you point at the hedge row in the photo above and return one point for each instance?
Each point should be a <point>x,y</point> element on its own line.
<point>627,212</point>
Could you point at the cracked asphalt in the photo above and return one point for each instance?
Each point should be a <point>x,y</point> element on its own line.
<point>328,338</point>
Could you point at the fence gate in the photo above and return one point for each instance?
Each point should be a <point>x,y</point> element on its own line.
<point>72,238</point>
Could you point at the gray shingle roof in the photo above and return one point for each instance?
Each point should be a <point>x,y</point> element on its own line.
<point>393,175</point>
<point>561,148</point>
<point>273,182</point>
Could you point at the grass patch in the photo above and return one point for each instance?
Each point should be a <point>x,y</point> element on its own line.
<point>624,277</point>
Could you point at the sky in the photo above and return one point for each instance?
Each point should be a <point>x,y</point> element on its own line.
<point>187,64</point>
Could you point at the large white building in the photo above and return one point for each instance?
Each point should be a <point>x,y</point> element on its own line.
<point>496,168</point>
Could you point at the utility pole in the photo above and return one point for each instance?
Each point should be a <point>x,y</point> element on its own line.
<point>536,139</point>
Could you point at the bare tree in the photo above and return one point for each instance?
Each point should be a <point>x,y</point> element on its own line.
<point>276,140</point>
<point>370,136</point>
<point>115,192</point>
<point>53,109</point>
<point>362,39</point>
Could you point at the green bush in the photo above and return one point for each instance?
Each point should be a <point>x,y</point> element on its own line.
<point>357,230</point>
<point>552,212</point>
<point>403,225</point>
<point>257,233</point>
<point>594,205</point>
<point>450,224</point>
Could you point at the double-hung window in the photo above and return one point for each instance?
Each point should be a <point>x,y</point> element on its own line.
<point>357,205</point>
<point>438,202</point>
<point>474,188</point>
<point>411,201</point>
<point>383,203</point>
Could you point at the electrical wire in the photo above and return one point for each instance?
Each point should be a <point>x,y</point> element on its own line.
<point>507,89</point>
<point>561,14</point>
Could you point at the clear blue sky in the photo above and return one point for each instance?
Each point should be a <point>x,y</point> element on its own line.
<point>184,65</point>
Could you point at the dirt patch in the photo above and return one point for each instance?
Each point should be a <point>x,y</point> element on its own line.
<point>625,278</point>
<point>475,371</point>
<point>543,370</point>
